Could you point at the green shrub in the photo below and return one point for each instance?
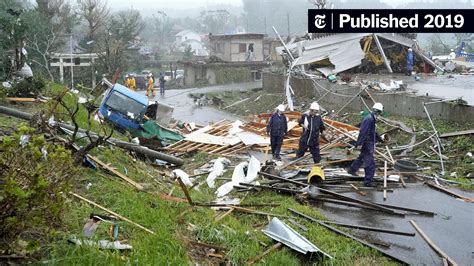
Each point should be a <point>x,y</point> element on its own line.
<point>27,87</point>
<point>33,185</point>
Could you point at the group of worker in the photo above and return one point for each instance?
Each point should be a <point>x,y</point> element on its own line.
<point>131,83</point>
<point>313,126</point>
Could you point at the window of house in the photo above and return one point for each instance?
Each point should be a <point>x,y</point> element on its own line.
<point>219,47</point>
<point>251,47</point>
<point>242,48</point>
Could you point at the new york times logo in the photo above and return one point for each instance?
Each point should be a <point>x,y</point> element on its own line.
<point>390,20</point>
<point>320,21</point>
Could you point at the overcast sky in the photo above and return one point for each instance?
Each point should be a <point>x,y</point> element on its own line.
<point>178,4</point>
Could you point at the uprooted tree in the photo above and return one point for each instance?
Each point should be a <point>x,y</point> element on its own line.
<point>82,117</point>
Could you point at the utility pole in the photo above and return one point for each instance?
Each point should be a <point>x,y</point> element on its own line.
<point>72,64</point>
<point>265,24</point>
<point>288,20</point>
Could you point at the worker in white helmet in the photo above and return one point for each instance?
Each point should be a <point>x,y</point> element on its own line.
<point>313,125</point>
<point>367,139</point>
<point>277,128</point>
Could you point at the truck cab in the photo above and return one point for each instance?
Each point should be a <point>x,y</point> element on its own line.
<point>123,107</point>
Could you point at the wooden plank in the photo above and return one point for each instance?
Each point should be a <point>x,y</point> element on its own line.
<point>358,191</point>
<point>185,190</point>
<point>335,230</point>
<point>266,252</point>
<point>224,215</point>
<point>449,192</point>
<point>432,244</point>
<point>386,210</point>
<point>111,212</point>
<point>457,133</point>
<point>385,180</point>
<point>115,172</point>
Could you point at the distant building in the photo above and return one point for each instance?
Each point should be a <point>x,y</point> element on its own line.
<point>237,47</point>
<point>186,35</point>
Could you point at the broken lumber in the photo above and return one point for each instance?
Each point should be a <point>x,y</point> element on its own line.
<point>335,230</point>
<point>432,244</point>
<point>457,133</point>
<point>24,100</point>
<point>386,210</point>
<point>259,257</point>
<point>358,190</point>
<point>185,190</point>
<point>369,228</point>
<point>115,172</point>
<point>111,212</point>
<point>240,209</point>
<point>449,192</point>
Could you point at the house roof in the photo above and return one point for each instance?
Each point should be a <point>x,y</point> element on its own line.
<point>236,36</point>
<point>184,32</point>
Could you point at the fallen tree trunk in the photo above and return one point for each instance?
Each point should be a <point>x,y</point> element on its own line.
<point>122,144</point>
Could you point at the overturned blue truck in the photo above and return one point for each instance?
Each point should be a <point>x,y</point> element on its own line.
<point>132,112</point>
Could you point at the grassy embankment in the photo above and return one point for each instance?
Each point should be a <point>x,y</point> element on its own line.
<point>173,222</point>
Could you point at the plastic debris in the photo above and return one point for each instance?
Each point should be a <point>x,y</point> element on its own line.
<point>24,139</point>
<point>216,171</point>
<point>184,177</point>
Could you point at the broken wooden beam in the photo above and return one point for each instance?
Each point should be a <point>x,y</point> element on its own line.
<point>287,190</point>
<point>449,192</point>
<point>185,191</point>
<point>433,245</point>
<point>111,212</point>
<point>335,230</point>
<point>259,257</point>
<point>115,172</point>
<point>369,228</point>
<point>386,210</point>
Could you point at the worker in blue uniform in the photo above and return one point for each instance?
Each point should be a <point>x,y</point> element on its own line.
<point>410,61</point>
<point>312,125</point>
<point>277,128</point>
<point>366,140</point>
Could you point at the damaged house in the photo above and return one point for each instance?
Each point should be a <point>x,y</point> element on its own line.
<point>233,58</point>
<point>332,54</point>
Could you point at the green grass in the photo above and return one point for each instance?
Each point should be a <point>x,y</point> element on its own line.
<point>172,222</point>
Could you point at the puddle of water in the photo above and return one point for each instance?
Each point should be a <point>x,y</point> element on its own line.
<point>452,229</point>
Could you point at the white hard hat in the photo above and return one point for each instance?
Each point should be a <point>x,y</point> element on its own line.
<point>378,106</point>
<point>409,49</point>
<point>281,108</point>
<point>314,106</point>
<point>452,50</point>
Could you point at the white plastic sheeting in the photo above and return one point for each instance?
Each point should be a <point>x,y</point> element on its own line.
<point>184,177</point>
<point>238,176</point>
<point>216,171</point>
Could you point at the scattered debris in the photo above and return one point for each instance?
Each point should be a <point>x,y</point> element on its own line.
<point>281,232</point>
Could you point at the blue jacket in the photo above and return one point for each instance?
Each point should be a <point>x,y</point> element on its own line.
<point>410,59</point>
<point>315,126</point>
<point>277,126</point>
<point>367,134</point>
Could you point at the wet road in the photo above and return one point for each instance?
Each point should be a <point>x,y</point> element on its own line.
<point>445,87</point>
<point>186,110</point>
<point>452,229</point>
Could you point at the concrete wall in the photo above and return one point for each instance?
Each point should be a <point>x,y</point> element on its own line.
<point>237,56</point>
<point>403,104</point>
<point>230,49</point>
